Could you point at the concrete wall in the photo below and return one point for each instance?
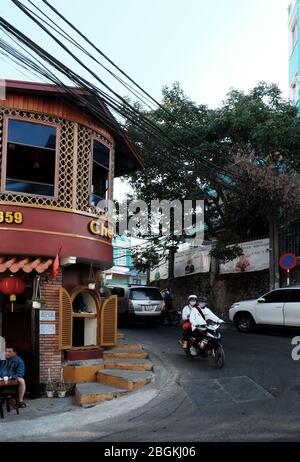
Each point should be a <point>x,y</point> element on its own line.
<point>222,290</point>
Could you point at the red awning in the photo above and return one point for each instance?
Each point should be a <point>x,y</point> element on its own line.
<point>27,264</point>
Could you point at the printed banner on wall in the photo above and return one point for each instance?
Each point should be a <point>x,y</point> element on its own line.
<point>192,261</point>
<point>255,257</point>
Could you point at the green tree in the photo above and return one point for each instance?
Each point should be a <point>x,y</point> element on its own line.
<point>258,129</point>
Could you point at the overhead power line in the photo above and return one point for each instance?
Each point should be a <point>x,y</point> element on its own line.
<point>129,111</point>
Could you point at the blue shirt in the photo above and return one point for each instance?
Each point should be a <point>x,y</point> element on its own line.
<point>13,367</point>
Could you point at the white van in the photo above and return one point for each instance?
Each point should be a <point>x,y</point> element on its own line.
<point>140,303</point>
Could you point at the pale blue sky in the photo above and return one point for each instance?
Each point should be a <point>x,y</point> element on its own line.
<point>208,46</point>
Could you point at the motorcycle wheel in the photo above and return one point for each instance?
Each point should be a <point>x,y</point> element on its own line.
<point>219,357</point>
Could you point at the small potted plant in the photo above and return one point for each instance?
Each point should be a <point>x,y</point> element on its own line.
<point>37,301</point>
<point>49,386</point>
<point>61,387</point>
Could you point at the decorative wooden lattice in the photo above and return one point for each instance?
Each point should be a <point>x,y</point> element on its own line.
<point>66,163</point>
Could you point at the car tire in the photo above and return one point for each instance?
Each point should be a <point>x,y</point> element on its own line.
<point>244,322</point>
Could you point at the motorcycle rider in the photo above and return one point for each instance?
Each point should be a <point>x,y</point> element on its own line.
<point>192,302</point>
<point>199,316</point>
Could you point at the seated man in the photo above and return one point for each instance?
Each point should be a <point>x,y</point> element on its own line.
<point>16,369</point>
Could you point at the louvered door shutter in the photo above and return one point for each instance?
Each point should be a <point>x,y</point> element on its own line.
<point>99,308</point>
<point>65,320</point>
<point>109,321</point>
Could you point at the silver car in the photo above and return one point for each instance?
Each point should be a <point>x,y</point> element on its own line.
<point>140,303</point>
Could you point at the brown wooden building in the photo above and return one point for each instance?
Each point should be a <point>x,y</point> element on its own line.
<point>57,163</point>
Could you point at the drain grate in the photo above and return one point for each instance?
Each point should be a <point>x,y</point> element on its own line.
<point>225,390</point>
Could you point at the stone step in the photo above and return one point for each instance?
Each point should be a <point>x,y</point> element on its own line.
<point>116,353</point>
<point>82,371</point>
<point>127,346</point>
<point>128,380</point>
<point>131,364</point>
<point>85,362</point>
<point>91,393</point>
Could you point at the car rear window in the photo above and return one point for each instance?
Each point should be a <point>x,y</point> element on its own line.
<point>145,294</point>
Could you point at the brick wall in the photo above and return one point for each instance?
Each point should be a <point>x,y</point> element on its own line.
<point>50,356</point>
<point>222,290</point>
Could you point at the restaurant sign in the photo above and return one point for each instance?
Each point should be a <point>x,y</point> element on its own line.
<point>11,217</point>
<point>101,228</point>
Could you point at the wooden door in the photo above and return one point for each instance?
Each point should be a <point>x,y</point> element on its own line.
<point>109,321</point>
<point>65,320</point>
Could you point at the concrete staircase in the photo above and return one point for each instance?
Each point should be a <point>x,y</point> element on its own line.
<point>123,369</point>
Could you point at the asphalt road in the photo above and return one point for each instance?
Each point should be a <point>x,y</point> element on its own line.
<point>255,397</point>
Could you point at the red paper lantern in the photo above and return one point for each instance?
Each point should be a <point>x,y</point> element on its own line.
<point>12,286</point>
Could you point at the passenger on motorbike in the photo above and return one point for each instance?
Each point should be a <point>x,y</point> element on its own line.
<point>199,316</point>
<point>187,331</point>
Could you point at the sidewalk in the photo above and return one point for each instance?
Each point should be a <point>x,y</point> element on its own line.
<point>47,419</point>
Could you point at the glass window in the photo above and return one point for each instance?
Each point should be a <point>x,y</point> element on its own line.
<point>42,136</point>
<point>294,296</point>
<point>120,256</point>
<point>145,294</point>
<point>100,173</point>
<point>31,157</point>
<point>277,296</point>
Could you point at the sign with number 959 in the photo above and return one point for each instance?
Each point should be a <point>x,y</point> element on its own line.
<point>11,217</point>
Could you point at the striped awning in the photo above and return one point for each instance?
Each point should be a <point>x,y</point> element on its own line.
<point>26,264</point>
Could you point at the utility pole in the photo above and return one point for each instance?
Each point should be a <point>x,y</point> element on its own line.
<point>171,261</point>
<point>274,253</point>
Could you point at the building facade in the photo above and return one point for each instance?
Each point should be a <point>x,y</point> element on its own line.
<point>294,50</point>
<point>123,271</point>
<point>57,161</point>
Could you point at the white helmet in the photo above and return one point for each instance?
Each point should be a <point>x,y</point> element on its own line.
<point>193,297</point>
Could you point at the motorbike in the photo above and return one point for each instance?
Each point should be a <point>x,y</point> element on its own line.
<point>210,346</point>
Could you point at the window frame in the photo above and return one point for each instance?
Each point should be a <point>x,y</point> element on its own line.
<point>3,189</point>
<point>293,35</point>
<point>109,169</point>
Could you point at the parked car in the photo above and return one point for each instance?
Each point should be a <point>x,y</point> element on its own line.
<point>280,307</point>
<point>140,303</point>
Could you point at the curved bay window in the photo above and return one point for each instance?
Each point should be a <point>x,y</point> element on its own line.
<point>100,173</point>
<point>30,158</point>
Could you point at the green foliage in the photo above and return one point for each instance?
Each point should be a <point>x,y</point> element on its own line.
<point>259,125</point>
